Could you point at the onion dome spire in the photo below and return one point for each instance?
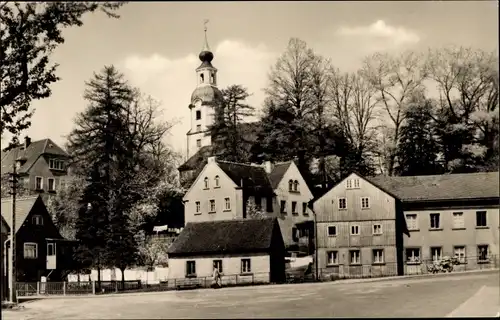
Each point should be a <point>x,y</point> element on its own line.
<point>206,55</point>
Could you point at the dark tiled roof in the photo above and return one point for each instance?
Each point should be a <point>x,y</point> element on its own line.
<point>196,159</point>
<point>31,154</point>
<point>251,177</point>
<point>278,172</point>
<point>23,208</point>
<point>228,236</point>
<point>461,186</point>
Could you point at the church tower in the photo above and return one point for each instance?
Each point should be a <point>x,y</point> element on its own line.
<point>204,100</point>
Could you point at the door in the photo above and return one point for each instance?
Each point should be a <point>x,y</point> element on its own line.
<point>51,256</point>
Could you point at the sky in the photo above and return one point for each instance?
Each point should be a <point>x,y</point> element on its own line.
<point>156,46</point>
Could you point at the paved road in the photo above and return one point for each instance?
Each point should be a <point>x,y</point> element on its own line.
<point>432,296</point>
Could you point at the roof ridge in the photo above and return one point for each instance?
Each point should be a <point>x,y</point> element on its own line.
<point>9,199</point>
<point>241,163</point>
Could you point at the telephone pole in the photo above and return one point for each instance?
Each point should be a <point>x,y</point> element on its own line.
<point>12,251</point>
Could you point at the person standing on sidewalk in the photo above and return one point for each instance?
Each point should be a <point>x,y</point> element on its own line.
<point>216,276</point>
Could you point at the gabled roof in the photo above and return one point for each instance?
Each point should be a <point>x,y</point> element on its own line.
<point>30,154</point>
<point>463,186</point>
<point>23,209</point>
<point>278,172</point>
<point>250,177</point>
<point>227,236</point>
<point>199,157</point>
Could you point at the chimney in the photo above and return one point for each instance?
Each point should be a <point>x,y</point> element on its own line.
<point>268,166</point>
<point>27,142</point>
<point>211,159</point>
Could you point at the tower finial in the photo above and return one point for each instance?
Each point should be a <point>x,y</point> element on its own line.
<point>205,45</point>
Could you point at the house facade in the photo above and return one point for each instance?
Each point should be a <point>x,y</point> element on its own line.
<point>42,166</point>
<point>40,248</point>
<point>449,215</point>
<point>360,229</point>
<point>243,251</point>
<point>223,190</point>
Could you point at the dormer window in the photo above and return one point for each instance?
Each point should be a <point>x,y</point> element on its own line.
<point>296,186</point>
<point>56,164</point>
<point>217,181</point>
<point>207,185</point>
<point>290,185</point>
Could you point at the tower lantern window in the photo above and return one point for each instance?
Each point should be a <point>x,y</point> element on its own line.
<point>202,78</point>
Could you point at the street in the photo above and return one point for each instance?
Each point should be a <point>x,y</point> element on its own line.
<point>468,294</point>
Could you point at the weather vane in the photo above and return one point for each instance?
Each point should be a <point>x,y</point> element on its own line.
<point>205,24</point>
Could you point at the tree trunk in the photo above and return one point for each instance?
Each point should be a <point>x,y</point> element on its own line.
<point>122,269</point>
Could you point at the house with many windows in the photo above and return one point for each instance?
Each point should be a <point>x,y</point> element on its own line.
<point>42,166</point>
<point>246,250</point>
<point>40,248</point>
<point>360,230</point>
<point>449,215</point>
<point>397,225</point>
<point>223,190</point>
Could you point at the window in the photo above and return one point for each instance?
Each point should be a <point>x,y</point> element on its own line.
<point>295,234</point>
<point>356,183</point>
<point>30,250</point>
<point>207,184</point>
<point>304,208</point>
<point>482,253</point>
<point>342,203</point>
<point>283,206</point>
<point>365,202</point>
<point>198,115</point>
<point>246,266</point>
<point>412,255</point>
<point>436,253</point>
<point>434,220</point>
<point>198,143</point>
<point>411,221</point>
<point>51,249</point>
<point>198,207</point>
<point>377,229</point>
<point>56,164</point>
<point>290,185</point>
<point>218,265</point>
<point>191,268</point>
<point>354,230</point>
<point>212,77</point>
<point>481,219</point>
<point>52,184</point>
<point>333,258</point>
<point>348,184</point>
<point>294,207</point>
<point>459,253</point>
<point>217,182</point>
<point>37,220</point>
<point>212,205</point>
<point>332,231</point>
<point>198,127</point>
<point>458,220</point>
<point>202,78</point>
<point>355,257</point>
<point>296,186</point>
<point>227,204</point>
<point>269,204</point>
<point>38,183</point>
<point>258,202</point>
<point>378,256</point>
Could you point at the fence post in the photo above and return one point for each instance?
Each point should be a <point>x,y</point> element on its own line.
<point>116,286</point>
<point>93,286</point>
<point>64,288</point>
<point>38,288</point>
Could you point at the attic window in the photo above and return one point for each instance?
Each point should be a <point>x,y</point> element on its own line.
<point>296,186</point>
<point>290,185</point>
<point>352,184</point>
<point>217,182</point>
<point>37,220</point>
<point>56,164</point>
<point>207,185</point>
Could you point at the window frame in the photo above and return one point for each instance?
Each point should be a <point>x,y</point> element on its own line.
<point>217,263</point>
<point>351,229</point>
<point>438,215</point>
<point>485,216</point>
<point>53,245</point>
<point>198,115</point>
<point>296,186</point>
<point>304,209</point>
<point>217,182</point>
<point>462,219</point>
<point>479,255</point>
<point>206,185</point>
<point>198,143</point>
<point>244,265</point>
<point>53,184</point>
<point>36,218</point>
<point>41,182</point>
<point>197,207</point>
<point>417,249</point>
<point>367,203</point>
<point>381,257</point>
<point>345,203</point>
<point>332,262</point>
<point>283,206</point>
<point>210,202</point>
<point>462,260</point>
<point>227,204</point>
<point>358,263</point>
<point>290,185</point>
<point>415,220</point>
<point>440,253</point>
<point>294,208</point>
<point>198,128</point>
<point>377,233</point>
<point>328,230</point>
<point>188,269</point>
<point>25,245</point>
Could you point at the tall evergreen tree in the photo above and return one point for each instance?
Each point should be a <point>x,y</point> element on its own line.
<point>418,148</point>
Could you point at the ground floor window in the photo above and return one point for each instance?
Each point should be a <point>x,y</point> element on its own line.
<point>246,266</point>
<point>190,268</point>
<point>436,253</point>
<point>482,253</point>
<point>30,250</point>
<point>333,258</point>
<point>412,255</point>
<point>378,256</point>
<point>218,265</point>
<point>355,257</point>
<point>459,253</point>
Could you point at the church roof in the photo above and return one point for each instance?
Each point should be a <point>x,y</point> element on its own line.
<point>207,94</point>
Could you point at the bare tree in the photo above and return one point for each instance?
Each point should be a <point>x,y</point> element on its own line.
<point>395,79</point>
